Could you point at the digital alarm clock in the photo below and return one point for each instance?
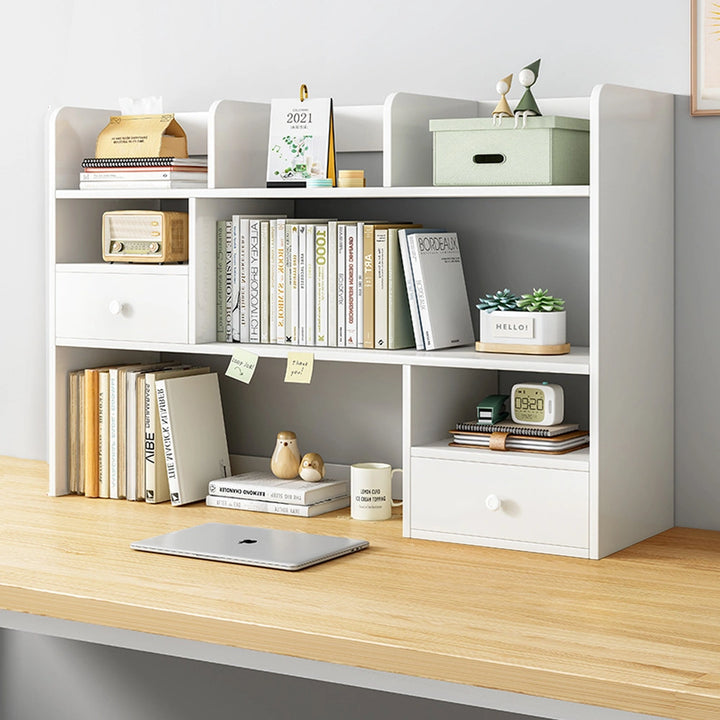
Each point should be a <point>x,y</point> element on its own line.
<point>537,403</point>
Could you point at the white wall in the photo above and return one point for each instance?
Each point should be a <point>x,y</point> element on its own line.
<point>90,53</point>
<point>63,52</point>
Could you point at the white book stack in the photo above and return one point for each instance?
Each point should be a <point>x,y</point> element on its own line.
<point>263,492</point>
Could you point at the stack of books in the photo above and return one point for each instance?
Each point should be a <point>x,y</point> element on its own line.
<point>263,492</point>
<point>553,439</point>
<point>144,172</point>
<point>339,283</point>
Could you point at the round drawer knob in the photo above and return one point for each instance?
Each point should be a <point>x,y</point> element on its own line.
<point>493,502</point>
<point>115,307</point>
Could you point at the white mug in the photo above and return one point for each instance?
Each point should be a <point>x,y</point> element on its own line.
<point>371,491</point>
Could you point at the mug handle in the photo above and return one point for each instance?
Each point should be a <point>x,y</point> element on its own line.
<point>395,503</point>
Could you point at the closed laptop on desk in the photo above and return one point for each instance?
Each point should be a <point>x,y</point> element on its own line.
<point>264,547</point>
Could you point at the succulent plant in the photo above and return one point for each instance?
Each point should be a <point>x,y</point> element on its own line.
<point>540,301</point>
<point>501,300</point>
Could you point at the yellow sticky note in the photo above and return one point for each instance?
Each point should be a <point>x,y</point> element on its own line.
<point>299,367</point>
<point>242,365</point>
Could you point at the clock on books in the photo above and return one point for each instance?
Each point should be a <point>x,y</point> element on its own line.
<point>537,403</point>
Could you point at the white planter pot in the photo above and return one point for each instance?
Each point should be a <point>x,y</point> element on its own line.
<point>535,331</point>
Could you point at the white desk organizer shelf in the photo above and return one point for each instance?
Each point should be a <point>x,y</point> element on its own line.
<point>588,503</point>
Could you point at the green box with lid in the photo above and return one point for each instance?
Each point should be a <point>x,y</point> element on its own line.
<point>547,150</point>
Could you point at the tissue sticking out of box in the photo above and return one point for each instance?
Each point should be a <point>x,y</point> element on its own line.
<point>151,105</point>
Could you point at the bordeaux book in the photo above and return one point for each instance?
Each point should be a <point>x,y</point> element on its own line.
<point>442,299</point>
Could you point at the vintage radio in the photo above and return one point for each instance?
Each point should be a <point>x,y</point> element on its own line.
<point>145,236</point>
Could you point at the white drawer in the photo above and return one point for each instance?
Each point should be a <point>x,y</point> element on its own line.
<point>127,304</point>
<point>502,502</point>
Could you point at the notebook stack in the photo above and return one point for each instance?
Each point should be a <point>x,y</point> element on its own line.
<point>144,172</point>
<point>509,435</point>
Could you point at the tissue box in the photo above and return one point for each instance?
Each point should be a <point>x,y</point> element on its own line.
<point>142,136</point>
<point>550,150</point>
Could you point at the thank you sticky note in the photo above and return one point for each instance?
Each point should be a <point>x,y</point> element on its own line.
<point>242,365</point>
<point>299,367</point>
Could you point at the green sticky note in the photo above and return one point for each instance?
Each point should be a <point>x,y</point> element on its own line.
<point>242,365</point>
<point>299,367</point>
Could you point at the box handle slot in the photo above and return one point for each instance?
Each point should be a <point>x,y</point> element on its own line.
<point>489,158</point>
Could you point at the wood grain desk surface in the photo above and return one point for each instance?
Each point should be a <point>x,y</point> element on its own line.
<point>637,631</point>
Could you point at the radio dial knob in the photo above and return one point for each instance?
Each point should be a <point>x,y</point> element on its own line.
<point>154,247</point>
<point>115,307</point>
<point>116,246</point>
<point>493,502</point>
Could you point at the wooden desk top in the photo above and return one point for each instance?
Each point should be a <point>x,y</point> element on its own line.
<point>637,631</point>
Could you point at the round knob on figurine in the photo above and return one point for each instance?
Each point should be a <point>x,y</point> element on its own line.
<point>493,502</point>
<point>115,307</point>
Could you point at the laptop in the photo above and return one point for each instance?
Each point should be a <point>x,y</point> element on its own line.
<point>264,547</point>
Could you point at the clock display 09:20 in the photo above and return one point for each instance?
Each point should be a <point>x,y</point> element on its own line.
<point>529,404</point>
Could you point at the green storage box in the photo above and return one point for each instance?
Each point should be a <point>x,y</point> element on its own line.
<point>549,150</point>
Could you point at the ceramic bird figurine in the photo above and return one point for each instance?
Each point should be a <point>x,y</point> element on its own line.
<point>527,105</point>
<point>502,109</point>
<point>285,460</point>
<point>312,467</point>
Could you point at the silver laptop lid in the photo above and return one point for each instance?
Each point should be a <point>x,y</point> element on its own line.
<point>264,547</point>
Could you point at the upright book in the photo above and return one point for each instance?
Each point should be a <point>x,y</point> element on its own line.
<point>443,306</point>
<point>193,434</point>
<point>157,489</point>
<point>91,430</point>
<point>379,307</point>
<point>399,321</point>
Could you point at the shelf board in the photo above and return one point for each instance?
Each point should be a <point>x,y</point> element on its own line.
<point>126,268</point>
<point>576,362</point>
<point>511,191</point>
<point>575,460</point>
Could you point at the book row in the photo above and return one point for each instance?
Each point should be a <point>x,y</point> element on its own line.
<point>336,283</point>
<point>116,448</point>
<point>156,432</point>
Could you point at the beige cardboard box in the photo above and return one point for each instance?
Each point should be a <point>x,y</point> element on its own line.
<point>142,136</point>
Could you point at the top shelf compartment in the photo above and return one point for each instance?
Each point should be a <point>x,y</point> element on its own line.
<point>393,136</point>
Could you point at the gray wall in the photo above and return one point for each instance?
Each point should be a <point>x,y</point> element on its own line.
<point>62,52</point>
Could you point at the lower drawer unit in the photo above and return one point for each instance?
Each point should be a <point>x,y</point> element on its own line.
<point>128,303</point>
<point>501,505</point>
